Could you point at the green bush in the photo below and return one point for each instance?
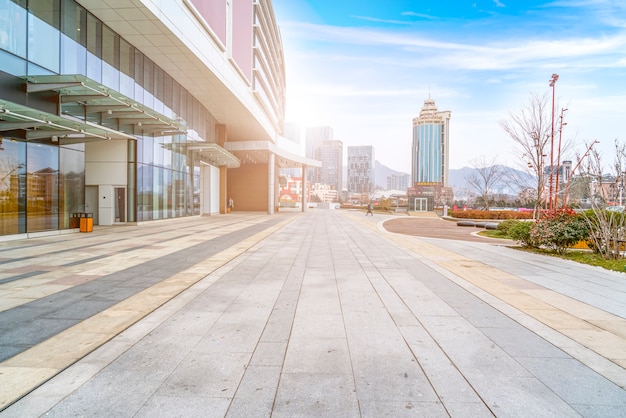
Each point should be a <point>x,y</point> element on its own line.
<point>506,225</point>
<point>520,232</point>
<point>559,229</point>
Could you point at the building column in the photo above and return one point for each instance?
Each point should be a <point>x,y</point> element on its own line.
<point>220,139</point>
<point>304,191</point>
<point>271,181</point>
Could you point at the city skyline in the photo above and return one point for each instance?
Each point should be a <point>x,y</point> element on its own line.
<point>365,69</point>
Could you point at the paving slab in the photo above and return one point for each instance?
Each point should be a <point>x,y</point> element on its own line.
<point>317,314</point>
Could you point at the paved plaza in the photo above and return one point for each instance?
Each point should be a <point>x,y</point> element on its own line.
<point>317,314</point>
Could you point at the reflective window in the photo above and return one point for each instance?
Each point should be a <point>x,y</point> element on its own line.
<point>13,27</point>
<point>94,48</point>
<point>12,187</point>
<point>43,43</point>
<point>72,183</point>
<point>74,22</point>
<point>11,64</point>
<point>42,187</point>
<point>74,57</point>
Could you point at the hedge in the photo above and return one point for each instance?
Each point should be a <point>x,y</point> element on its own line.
<point>492,214</point>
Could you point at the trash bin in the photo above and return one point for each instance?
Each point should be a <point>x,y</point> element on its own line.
<point>75,220</point>
<point>86,222</point>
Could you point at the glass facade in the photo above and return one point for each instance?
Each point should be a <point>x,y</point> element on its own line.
<point>429,153</point>
<point>42,184</point>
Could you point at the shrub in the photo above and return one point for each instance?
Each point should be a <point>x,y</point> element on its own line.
<point>559,229</point>
<point>520,232</point>
<point>506,225</point>
<point>492,214</point>
<point>606,231</point>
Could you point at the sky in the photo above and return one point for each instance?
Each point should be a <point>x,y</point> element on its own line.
<point>365,68</point>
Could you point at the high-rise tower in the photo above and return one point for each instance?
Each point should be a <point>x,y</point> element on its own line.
<point>431,145</point>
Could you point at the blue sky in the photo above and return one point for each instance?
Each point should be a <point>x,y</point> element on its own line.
<point>366,67</point>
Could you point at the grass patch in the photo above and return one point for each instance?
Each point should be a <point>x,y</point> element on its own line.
<point>583,257</point>
<point>579,256</point>
<point>493,233</point>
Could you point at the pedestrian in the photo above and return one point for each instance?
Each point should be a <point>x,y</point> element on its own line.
<point>231,204</point>
<point>370,207</point>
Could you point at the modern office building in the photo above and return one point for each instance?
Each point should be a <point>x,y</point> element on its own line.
<point>361,162</point>
<point>330,154</point>
<point>138,110</point>
<point>314,136</point>
<point>431,145</point>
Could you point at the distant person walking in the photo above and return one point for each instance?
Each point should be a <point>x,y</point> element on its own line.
<point>231,204</point>
<point>370,208</point>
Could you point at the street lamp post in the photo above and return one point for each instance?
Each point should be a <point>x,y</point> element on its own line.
<point>553,80</point>
<point>558,158</point>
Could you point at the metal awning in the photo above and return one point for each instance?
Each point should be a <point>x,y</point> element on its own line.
<point>207,153</point>
<point>91,98</point>
<point>37,126</point>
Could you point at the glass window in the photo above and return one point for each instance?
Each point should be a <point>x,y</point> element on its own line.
<point>12,187</point>
<point>127,58</point>
<point>48,11</point>
<point>43,43</point>
<point>13,27</point>
<point>157,193</point>
<point>148,82</point>
<point>34,69</point>
<point>42,187</point>
<point>148,143</point>
<point>72,184</point>
<point>110,57</point>
<point>73,57</point>
<point>94,36</point>
<point>11,64</point>
<point>74,22</point>
<point>110,47</point>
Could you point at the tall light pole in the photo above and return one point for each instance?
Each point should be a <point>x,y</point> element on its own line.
<point>553,80</point>
<point>558,158</point>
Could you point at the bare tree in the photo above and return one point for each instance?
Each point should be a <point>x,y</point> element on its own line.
<point>485,177</point>
<point>531,129</point>
<point>607,227</point>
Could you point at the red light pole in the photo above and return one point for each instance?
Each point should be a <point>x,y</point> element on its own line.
<point>558,159</point>
<point>553,80</point>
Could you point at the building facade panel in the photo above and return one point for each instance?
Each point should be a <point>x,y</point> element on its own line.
<point>98,104</point>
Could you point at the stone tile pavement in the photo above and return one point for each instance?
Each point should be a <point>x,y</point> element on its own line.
<point>317,314</point>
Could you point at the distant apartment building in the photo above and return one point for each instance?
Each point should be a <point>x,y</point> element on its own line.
<point>361,169</point>
<point>324,193</point>
<point>398,182</point>
<point>291,192</point>
<point>431,146</point>
<point>330,153</point>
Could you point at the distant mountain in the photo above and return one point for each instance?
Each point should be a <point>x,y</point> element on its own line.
<point>458,180</point>
<point>381,172</point>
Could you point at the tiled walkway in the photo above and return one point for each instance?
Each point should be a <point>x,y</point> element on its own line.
<point>315,314</point>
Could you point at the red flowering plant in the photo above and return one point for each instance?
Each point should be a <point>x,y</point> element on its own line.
<point>559,229</point>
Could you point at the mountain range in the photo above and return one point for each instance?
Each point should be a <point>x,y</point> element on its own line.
<point>457,180</point>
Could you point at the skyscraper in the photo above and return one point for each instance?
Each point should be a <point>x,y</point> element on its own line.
<point>330,153</point>
<point>430,152</point>
<point>314,136</point>
<point>361,169</point>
